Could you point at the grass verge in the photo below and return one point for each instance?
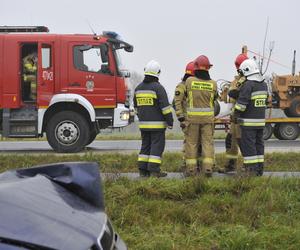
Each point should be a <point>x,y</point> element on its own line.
<point>195,213</point>
<point>127,162</point>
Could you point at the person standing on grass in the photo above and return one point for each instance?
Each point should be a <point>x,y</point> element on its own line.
<point>201,92</point>
<point>155,115</point>
<point>250,111</point>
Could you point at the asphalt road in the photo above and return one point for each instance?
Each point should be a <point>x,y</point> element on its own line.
<point>133,145</point>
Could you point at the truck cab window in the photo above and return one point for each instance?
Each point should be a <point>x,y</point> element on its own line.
<point>46,57</point>
<point>91,58</point>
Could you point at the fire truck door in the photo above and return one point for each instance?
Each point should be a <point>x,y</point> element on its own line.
<point>46,77</point>
<point>91,75</point>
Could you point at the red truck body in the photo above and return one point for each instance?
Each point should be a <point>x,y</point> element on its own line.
<point>75,73</point>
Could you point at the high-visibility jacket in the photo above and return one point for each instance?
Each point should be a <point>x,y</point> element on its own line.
<point>201,95</point>
<point>180,100</point>
<point>251,104</point>
<point>152,106</point>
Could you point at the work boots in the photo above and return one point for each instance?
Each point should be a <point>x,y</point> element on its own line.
<point>229,167</point>
<point>144,173</point>
<point>158,174</point>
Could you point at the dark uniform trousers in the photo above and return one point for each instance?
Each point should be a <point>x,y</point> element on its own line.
<point>153,145</point>
<point>252,147</point>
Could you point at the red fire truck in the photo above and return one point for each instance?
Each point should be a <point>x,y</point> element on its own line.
<point>80,86</point>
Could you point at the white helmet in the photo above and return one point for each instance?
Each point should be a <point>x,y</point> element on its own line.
<point>250,70</point>
<point>152,69</point>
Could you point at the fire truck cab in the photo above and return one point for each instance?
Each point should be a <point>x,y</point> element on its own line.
<point>75,87</point>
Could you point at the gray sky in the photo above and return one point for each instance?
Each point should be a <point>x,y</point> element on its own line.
<point>173,32</point>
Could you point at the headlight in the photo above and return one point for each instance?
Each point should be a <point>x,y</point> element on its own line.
<point>124,115</point>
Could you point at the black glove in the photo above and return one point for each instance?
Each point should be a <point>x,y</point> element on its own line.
<point>233,93</point>
<point>181,119</point>
<point>182,125</point>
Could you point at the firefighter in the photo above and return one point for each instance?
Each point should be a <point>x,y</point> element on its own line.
<point>155,115</point>
<point>30,72</point>
<point>201,92</point>
<point>179,105</point>
<point>232,140</point>
<point>250,111</point>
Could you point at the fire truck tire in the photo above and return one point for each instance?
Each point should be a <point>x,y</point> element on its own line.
<point>289,131</point>
<point>294,109</point>
<point>92,136</point>
<point>67,132</point>
<point>268,131</point>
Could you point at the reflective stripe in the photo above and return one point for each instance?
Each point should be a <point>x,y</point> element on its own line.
<point>152,125</point>
<point>144,158</point>
<point>154,159</point>
<point>250,159</point>
<point>166,110</point>
<point>191,161</point>
<point>230,156</point>
<point>260,158</point>
<point>259,97</point>
<point>191,104</point>
<point>200,111</point>
<point>208,160</point>
<point>145,93</point>
<point>253,122</point>
<point>240,107</point>
<point>257,93</point>
<point>152,73</point>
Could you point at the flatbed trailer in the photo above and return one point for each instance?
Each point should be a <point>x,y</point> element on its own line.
<point>283,128</point>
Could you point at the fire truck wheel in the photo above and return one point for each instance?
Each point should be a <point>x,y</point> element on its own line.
<point>288,131</point>
<point>294,109</point>
<point>67,132</point>
<point>268,131</point>
<point>92,136</point>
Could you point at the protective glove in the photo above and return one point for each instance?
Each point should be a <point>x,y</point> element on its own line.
<point>183,125</point>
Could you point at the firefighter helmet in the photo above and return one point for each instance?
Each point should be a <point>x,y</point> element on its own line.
<point>202,63</point>
<point>239,59</point>
<point>250,70</point>
<point>189,69</point>
<point>152,69</point>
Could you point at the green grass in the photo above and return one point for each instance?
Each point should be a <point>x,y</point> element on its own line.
<point>195,213</point>
<point>127,162</point>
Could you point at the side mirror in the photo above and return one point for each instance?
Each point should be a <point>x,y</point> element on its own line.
<point>129,48</point>
<point>125,73</point>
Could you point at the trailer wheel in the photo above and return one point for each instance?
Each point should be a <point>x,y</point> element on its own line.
<point>276,132</point>
<point>268,131</point>
<point>67,132</point>
<point>288,131</point>
<point>294,109</point>
<point>287,112</point>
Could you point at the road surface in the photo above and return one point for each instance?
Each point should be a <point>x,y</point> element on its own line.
<point>133,145</point>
